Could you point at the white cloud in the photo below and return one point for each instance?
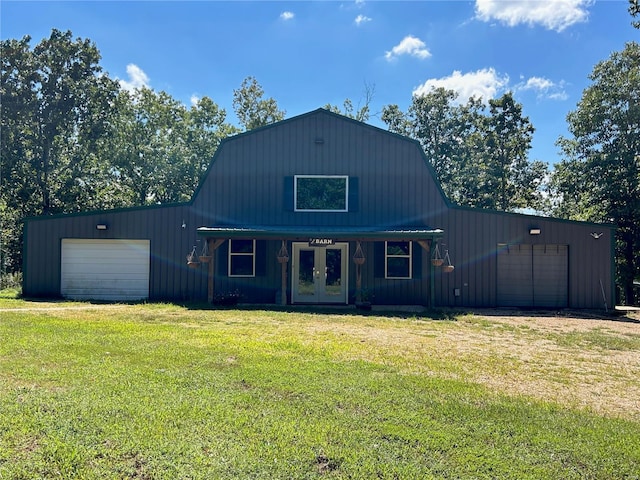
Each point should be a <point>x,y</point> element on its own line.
<point>552,14</point>
<point>485,84</point>
<point>360,19</point>
<point>137,78</point>
<point>195,99</point>
<point>537,83</point>
<point>409,45</point>
<point>544,88</point>
<point>287,16</point>
<point>562,96</point>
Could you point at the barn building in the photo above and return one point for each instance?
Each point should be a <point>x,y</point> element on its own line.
<point>321,209</point>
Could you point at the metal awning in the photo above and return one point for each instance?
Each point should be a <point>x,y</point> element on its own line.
<point>306,232</point>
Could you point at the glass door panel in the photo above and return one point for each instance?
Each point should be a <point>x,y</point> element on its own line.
<point>306,273</point>
<point>319,274</point>
<point>333,273</point>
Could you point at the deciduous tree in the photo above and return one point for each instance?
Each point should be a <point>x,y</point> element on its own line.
<point>56,105</point>
<point>634,10</point>
<point>362,112</point>
<point>599,178</point>
<point>480,159</point>
<point>161,149</point>
<point>252,109</point>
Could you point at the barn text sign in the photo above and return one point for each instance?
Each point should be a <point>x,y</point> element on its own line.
<point>321,242</point>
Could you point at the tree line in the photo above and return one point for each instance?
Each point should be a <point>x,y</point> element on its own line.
<point>73,140</point>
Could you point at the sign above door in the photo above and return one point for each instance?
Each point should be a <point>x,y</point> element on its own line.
<point>321,242</point>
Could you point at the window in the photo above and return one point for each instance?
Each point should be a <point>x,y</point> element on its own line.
<point>242,258</point>
<point>397,259</point>
<point>321,193</point>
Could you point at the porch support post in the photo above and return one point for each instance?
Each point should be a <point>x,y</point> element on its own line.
<point>212,245</point>
<point>358,259</point>
<point>283,286</point>
<point>426,246</point>
<point>283,259</point>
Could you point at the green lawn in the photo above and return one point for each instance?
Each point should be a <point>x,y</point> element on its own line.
<point>163,391</point>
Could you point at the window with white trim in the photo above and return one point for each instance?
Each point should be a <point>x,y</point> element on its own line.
<point>242,258</point>
<point>397,260</point>
<point>321,193</point>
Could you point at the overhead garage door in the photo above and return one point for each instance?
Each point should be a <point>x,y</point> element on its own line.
<point>533,276</point>
<point>105,269</point>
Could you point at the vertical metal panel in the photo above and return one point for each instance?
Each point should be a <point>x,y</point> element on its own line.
<point>550,276</point>
<point>244,186</point>
<point>248,175</point>
<point>533,276</point>
<point>515,276</point>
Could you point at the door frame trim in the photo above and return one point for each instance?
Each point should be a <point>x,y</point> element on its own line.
<point>295,249</point>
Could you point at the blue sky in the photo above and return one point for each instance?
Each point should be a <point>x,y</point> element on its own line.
<point>308,54</point>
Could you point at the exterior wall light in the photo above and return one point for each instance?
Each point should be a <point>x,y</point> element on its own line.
<point>534,231</point>
<point>101,226</point>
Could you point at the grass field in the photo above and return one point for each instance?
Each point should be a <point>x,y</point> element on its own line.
<point>162,391</point>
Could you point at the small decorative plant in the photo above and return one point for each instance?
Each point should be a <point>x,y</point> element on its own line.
<point>366,296</point>
<point>227,298</point>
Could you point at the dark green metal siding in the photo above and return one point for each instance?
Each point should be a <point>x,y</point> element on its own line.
<point>245,186</point>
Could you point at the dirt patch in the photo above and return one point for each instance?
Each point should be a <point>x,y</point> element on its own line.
<point>584,362</point>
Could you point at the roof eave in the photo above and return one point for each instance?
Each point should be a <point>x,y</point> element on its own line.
<point>304,235</point>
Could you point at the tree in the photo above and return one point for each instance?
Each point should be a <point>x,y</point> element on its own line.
<point>56,105</point>
<point>512,181</point>
<point>599,178</point>
<point>161,149</point>
<point>480,160</point>
<point>71,140</point>
<point>634,10</point>
<point>252,109</point>
<point>363,111</point>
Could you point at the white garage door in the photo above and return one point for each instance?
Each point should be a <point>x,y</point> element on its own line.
<point>105,269</point>
<point>533,276</point>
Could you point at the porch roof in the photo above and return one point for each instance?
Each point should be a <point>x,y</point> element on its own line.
<point>320,231</point>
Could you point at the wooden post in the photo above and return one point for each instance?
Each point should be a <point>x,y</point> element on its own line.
<point>358,259</point>
<point>283,286</point>
<point>283,259</point>
<point>426,245</point>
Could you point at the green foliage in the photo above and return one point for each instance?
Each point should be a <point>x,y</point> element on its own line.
<point>252,109</point>
<point>480,159</point>
<point>634,10</point>
<point>321,193</point>
<point>362,112</point>
<point>158,391</point>
<point>11,281</point>
<point>161,149</point>
<point>71,140</point>
<point>56,107</point>
<point>599,178</point>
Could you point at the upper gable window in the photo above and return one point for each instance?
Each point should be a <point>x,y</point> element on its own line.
<point>321,193</point>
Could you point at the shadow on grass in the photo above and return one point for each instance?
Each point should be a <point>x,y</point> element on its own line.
<point>611,315</point>
<point>386,311</point>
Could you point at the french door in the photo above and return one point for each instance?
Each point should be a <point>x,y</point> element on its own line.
<point>319,274</point>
